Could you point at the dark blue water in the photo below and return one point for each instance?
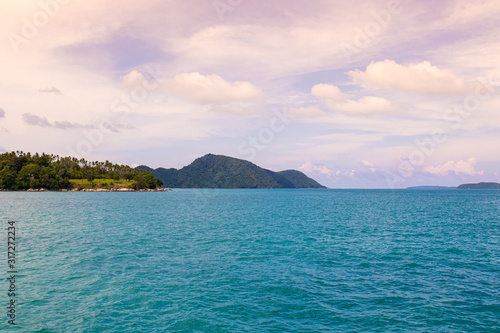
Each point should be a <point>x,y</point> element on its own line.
<point>255,261</point>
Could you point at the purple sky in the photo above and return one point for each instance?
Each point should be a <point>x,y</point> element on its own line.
<point>364,94</point>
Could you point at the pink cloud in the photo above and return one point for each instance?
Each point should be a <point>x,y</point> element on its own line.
<point>421,78</point>
<point>460,167</point>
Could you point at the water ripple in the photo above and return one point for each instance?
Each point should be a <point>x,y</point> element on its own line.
<point>257,261</point>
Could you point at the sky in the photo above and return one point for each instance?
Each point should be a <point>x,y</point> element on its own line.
<point>355,94</point>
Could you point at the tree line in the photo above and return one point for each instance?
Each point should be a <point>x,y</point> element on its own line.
<point>21,171</point>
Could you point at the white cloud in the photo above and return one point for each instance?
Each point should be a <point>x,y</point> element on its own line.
<point>212,89</point>
<point>365,105</point>
<point>349,174</point>
<point>337,101</point>
<point>201,89</point>
<point>329,92</point>
<point>463,167</point>
<point>421,78</point>
<point>133,79</point>
<point>272,50</point>
<point>331,175</point>
<point>311,168</point>
<point>369,165</point>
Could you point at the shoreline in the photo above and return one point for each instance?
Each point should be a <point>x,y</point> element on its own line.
<point>121,189</point>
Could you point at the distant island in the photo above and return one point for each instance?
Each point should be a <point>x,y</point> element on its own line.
<point>218,171</point>
<point>431,187</point>
<point>24,171</point>
<point>477,186</point>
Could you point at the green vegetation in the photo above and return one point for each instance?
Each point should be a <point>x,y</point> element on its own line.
<point>217,171</point>
<point>101,183</point>
<point>22,171</point>
<point>299,180</point>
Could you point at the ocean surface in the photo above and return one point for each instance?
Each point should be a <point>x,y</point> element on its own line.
<point>254,261</point>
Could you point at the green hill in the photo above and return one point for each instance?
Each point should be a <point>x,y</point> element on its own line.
<point>26,171</point>
<point>298,179</point>
<point>217,171</point>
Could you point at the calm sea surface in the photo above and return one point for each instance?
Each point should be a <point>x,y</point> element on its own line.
<point>254,261</point>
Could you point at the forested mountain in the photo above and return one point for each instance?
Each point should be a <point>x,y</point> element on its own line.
<point>217,171</point>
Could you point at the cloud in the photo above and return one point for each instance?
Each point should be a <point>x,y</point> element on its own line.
<point>35,120</point>
<point>461,13</point>
<point>349,174</point>
<point>369,165</point>
<point>202,89</point>
<point>337,101</point>
<point>2,113</point>
<point>463,167</point>
<point>212,89</point>
<point>420,78</point>
<point>311,168</point>
<point>306,112</point>
<point>235,109</point>
<point>329,92</point>
<point>134,79</point>
<point>52,90</point>
<point>282,52</point>
<point>365,105</point>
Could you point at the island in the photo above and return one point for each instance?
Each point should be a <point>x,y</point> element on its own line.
<point>479,186</point>
<point>47,172</point>
<point>219,171</point>
<point>430,187</point>
<point>476,186</point>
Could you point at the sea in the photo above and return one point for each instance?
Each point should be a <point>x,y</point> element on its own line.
<point>252,260</point>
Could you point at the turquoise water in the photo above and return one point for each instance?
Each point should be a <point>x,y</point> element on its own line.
<point>255,261</point>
